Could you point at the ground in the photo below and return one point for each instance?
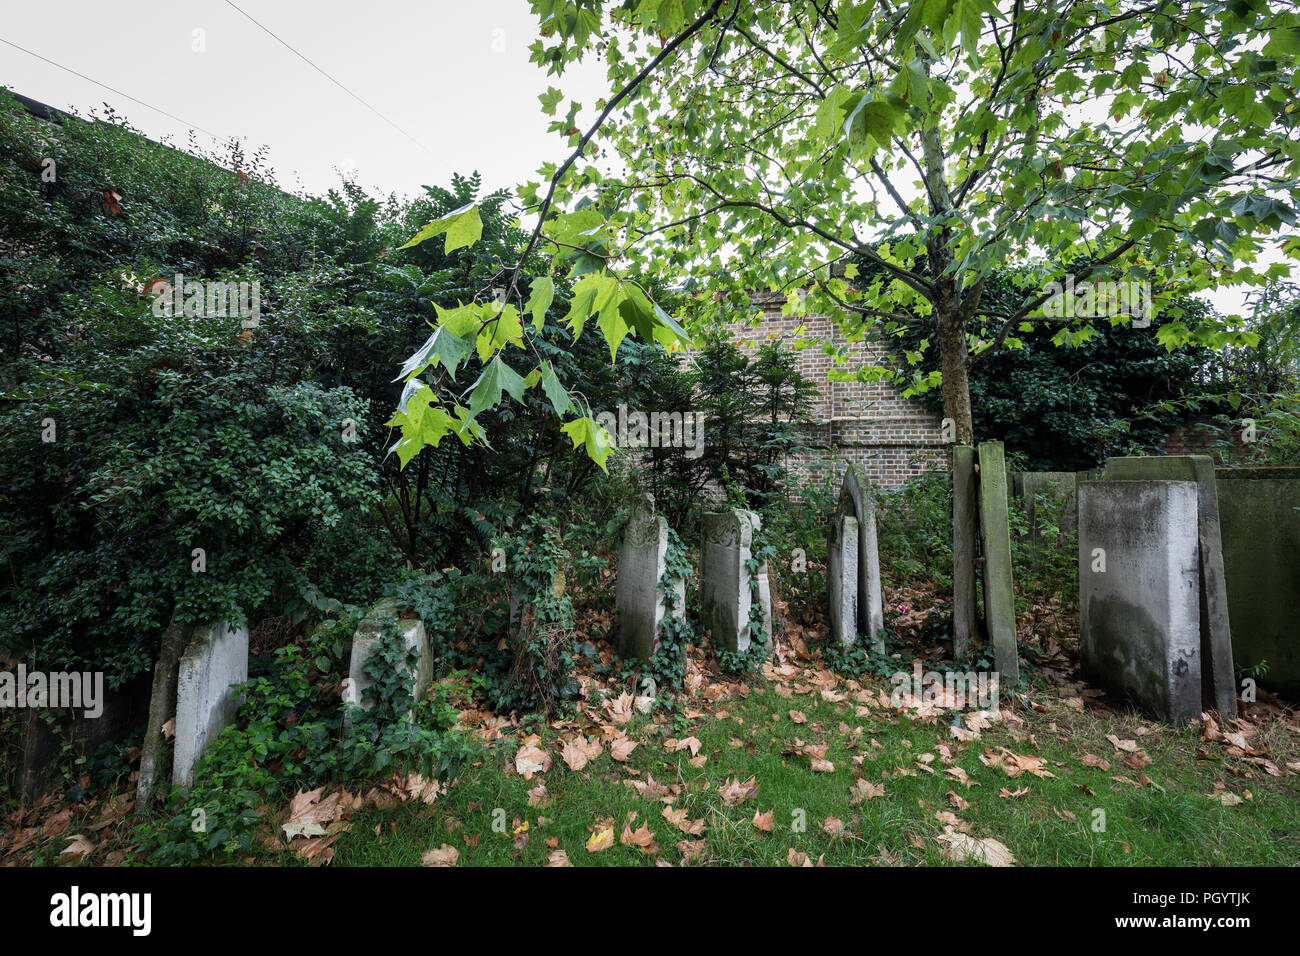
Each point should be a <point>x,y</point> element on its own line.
<point>800,766</point>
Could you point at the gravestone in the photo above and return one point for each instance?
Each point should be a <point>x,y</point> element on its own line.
<point>726,593</point>
<point>369,631</point>
<point>639,604</point>
<point>206,702</point>
<point>857,499</point>
<point>999,589</point>
<point>1259,511</point>
<point>1139,608</point>
<point>842,578</point>
<point>965,526</point>
<point>1220,690</point>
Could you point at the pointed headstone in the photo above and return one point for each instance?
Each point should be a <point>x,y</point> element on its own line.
<point>858,499</point>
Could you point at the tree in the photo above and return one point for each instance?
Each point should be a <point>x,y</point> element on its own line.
<point>1138,142</point>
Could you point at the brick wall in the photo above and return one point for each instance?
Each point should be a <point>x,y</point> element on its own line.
<point>870,423</point>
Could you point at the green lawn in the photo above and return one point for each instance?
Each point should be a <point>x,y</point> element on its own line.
<point>1164,816</point>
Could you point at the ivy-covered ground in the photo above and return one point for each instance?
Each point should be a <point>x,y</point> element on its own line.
<point>801,766</point>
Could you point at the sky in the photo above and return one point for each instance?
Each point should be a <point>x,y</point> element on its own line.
<point>451,78</point>
<point>454,76</point>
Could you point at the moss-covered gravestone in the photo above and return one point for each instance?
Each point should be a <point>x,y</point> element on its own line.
<point>842,578</point>
<point>726,590</point>
<point>999,591</point>
<point>858,500</point>
<point>639,603</point>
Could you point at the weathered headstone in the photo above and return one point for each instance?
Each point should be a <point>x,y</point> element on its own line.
<point>999,591</point>
<point>1220,690</point>
<point>1259,512</point>
<point>206,701</point>
<point>726,592</point>
<point>1139,609</point>
<point>842,578</point>
<point>369,631</point>
<point>858,499</point>
<point>965,525</point>
<point>642,560</point>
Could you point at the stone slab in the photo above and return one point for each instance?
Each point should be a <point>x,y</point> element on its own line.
<point>858,499</point>
<point>965,527</point>
<point>642,560</point>
<point>206,702</point>
<point>1220,688</point>
<point>1259,514</point>
<point>999,587</point>
<point>368,633</point>
<point>842,578</point>
<point>725,591</point>
<point>1139,629</point>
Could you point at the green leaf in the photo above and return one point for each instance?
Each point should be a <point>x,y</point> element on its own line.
<point>497,377</point>
<point>463,227</point>
<point>550,100</point>
<point>559,398</point>
<point>541,294</point>
<point>586,431</point>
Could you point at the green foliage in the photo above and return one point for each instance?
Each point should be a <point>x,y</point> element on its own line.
<point>667,666</point>
<point>759,650</point>
<point>291,736</point>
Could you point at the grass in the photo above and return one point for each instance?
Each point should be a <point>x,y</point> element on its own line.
<point>1166,816</point>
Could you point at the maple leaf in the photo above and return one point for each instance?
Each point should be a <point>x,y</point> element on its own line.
<point>444,855</point>
<point>620,709</point>
<point>798,717</point>
<point>537,796</point>
<point>864,790</point>
<point>1008,794</point>
<point>602,838</point>
<point>80,845</point>
<point>577,752</point>
<point>530,760</point>
<point>763,821</point>
<point>689,743</point>
<point>833,825</point>
<point>955,799</point>
<point>960,847</point>
<point>169,729</point>
<point>1092,760</point>
<point>680,818</point>
<point>692,850</point>
<point>621,748</point>
<point>734,792</point>
<point>796,858</point>
<point>1126,745</point>
<point>558,858</point>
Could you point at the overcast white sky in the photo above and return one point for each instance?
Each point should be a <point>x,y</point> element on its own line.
<point>454,75</point>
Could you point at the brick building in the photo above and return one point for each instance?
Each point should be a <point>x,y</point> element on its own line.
<point>871,423</point>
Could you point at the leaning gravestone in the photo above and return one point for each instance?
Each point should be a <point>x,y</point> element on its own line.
<point>965,526</point>
<point>1259,511</point>
<point>206,702</point>
<point>368,634</point>
<point>642,560</point>
<point>726,592</point>
<point>1139,615</point>
<point>1219,690</point>
<point>858,500</point>
<point>999,592</point>
<point>842,578</point>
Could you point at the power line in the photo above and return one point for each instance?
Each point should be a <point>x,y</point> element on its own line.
<point>111,89</point>
<point>300,56</point>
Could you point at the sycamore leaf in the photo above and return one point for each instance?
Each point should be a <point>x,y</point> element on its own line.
<point>497,377</point>
<point>463,227</point>
<point>591,433</point>
<point>555,392</point>
<point>542,292</point>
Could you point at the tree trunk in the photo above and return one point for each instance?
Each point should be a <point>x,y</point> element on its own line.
<point>162,707</point>
<point>956,376</point>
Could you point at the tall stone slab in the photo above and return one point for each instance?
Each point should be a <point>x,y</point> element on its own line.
<point>726,593</point>
<point>1259,513</point>
<point>206,701</point>
<point>999,588</point>
<point>965,526</point>
<point>858,499</point>
<point>842,578</point>
<point>1139,607</point>
<point>1220,688</point>
<point>639,604</point>
<point>369,631</point>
